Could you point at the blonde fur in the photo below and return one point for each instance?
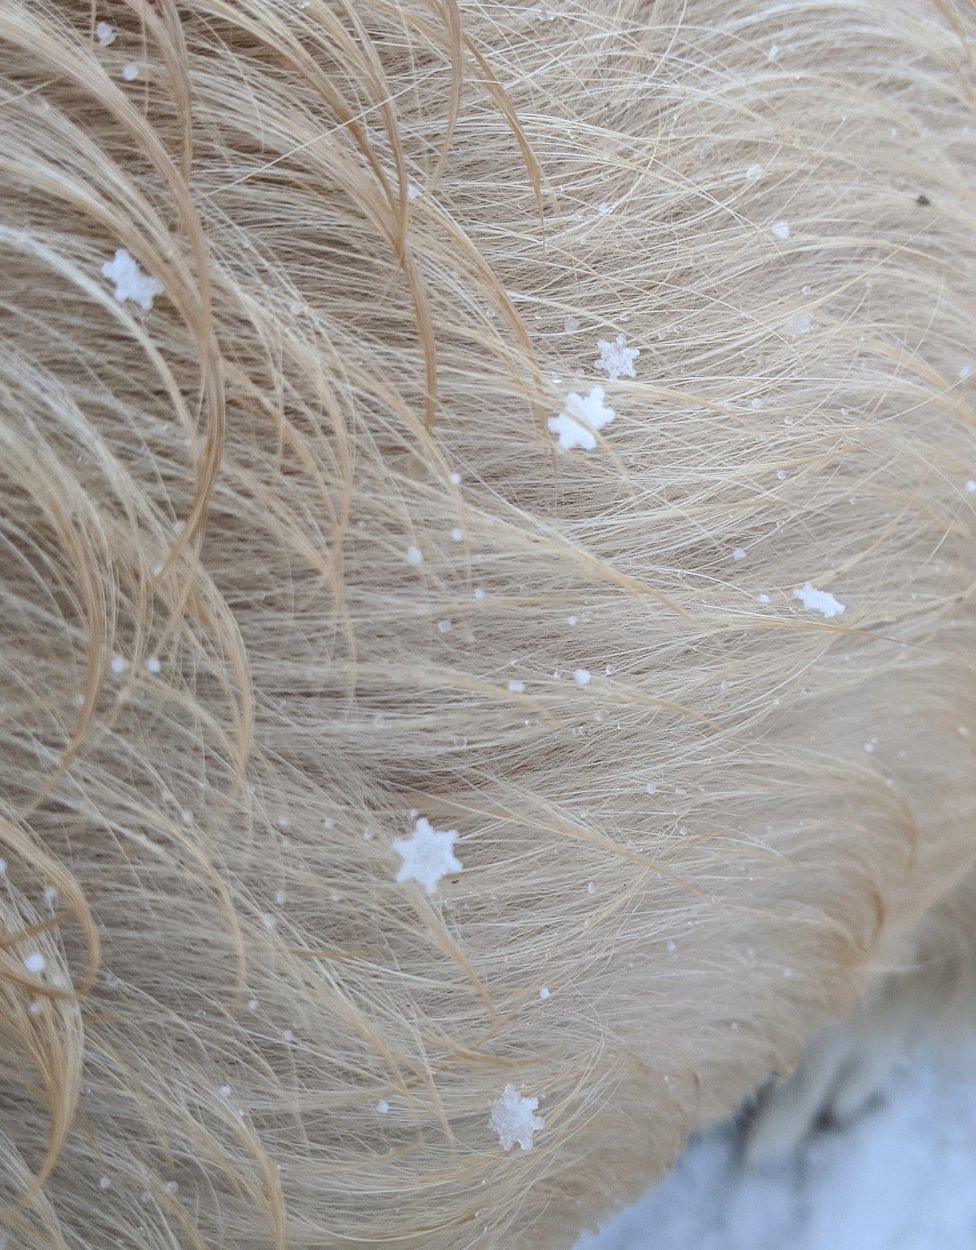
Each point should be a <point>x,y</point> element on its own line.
<point>389,235</point>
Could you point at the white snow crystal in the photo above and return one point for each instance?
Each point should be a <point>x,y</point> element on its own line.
<point>130,281</point>
<point>781,229</point>
<point>130,72</point>
<point>415,555</point>
<point>818,600</point>
<point>154,664</point>
<point>105,33</point>
<point>516,686</point>
<point>754,172</point>
<point>579,418</point>
<point>616,358</point>
<point>118,664</point>
<point>35,962</point>
<point>544,992</point>
<point>801,324</point>
<point>971,487</point>
<point>428,854</point>
<point>382,1107</point>
<point>582,677</point>
<point>513,1119</point>
<point>738,553</point>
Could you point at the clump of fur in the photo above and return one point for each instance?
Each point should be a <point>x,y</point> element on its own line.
<point>311,499</point>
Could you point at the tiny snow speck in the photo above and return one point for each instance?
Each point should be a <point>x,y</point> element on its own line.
<point>818,601</point>
<point>580,416</point>
<point>616,358</point>
<point>130,281</point>
<point>428,855</point>
<point>513,1119</point>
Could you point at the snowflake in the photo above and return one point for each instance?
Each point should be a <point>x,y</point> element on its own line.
<point>513,1120</point>
<point>818,600</point>
<point>800,324</point>
<point>579,418</point>
<point>616,358</point>
<point>105,33</point>
<point>130,282</point>
<point>428,854</point>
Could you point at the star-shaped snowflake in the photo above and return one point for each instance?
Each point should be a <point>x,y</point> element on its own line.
<point>616,358</point>
<point>569,425</point>
<point>428,854</point>
<point>513,1120</point>
<point>130,281</point>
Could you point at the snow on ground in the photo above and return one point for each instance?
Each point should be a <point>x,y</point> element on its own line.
<point>902,1177</point>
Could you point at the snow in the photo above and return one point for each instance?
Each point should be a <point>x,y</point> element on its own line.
<point>802,323</point>
<point>105,33</point>
<point>617,359</point>
<point>781,229</point>
<point>579,418</point>
<point>818,601</point>
<point>130,281</point>
<point>900,1177</point>
<point>512,1119</point>
<point>428,855</point>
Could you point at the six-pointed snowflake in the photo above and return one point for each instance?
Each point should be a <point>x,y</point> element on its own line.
<point>428,854</point>
<point>616,358</point>
<point>579,418</point>
<point>130,281</point>
<point>513,1120</point>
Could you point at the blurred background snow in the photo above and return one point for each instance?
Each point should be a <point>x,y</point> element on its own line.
<point>901,1177</point>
